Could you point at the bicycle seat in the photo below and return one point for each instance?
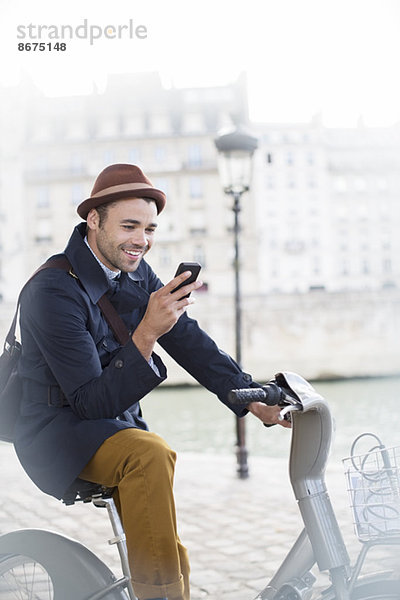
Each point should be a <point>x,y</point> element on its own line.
<point>83,491</point>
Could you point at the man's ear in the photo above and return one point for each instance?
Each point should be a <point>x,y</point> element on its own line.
<point>93,219</point>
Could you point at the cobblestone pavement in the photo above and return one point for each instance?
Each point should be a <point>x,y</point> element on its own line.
<point>237,531</point>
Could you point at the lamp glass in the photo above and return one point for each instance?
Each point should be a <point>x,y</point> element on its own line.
<point>235,170</point>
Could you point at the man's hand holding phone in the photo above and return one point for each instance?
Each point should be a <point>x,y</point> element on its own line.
<point>165,307</point>
<point>193,268</point>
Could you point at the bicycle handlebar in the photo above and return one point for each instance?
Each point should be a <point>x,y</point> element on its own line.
<point>270,394</point>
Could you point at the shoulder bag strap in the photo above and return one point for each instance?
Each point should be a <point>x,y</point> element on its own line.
<point>58,263</point>
<point>114,320</point>
<point>112,317</point>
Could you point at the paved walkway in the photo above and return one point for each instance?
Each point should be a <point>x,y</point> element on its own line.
<point>237,531</point>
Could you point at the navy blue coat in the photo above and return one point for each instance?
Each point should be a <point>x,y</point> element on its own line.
<point>79,385</point>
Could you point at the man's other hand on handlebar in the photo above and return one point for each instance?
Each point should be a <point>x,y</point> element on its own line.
<point>269,415</point>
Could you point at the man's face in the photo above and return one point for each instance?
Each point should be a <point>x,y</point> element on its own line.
<point>125,234</point>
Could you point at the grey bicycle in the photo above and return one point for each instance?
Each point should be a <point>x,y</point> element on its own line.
<point>41,565</point>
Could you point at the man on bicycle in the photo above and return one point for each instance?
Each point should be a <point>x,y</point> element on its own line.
<point>80,414</point>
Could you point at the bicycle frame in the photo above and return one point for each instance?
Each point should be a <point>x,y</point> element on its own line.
<point>320,541</point>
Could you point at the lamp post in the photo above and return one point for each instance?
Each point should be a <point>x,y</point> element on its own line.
<point>235,153</point>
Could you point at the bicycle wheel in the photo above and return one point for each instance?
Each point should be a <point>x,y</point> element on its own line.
<point>23,578</point>
<point>377,589</point>
<point>43,565</point>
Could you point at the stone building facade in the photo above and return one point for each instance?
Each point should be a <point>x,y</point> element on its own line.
<point>320,256</point>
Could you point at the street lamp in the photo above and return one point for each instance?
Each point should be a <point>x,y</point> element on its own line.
<point>235,153</point>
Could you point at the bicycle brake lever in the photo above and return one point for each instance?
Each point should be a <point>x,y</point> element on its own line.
<point>285,412</point>
<point>293,404</point>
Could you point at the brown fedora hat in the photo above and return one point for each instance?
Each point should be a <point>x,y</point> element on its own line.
<point>117,182</point>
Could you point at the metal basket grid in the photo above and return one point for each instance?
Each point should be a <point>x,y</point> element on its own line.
<point>373,483</point>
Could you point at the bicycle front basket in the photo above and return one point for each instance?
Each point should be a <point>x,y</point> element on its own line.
<point>373,484</point>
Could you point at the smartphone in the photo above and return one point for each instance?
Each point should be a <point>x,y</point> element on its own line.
<point>194,267</point>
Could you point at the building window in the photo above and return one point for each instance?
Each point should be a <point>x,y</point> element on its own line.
<point>197,223</point>
<point>165,256</point>
<point>310,158</point>
<point>365,267</point>
<point>160,154</point>
<point>270,183</point>
<point>316,266</point>
<point>134,156</point>
<point>196,187</point>
<point>42,165</point>
<point>198,231</point>
<point>92,128</point>
<point>43,198</point>
<point>387,265</point>
<point>345,268</point>
<point>76,164</point>
<point>43,231</point>
<point>194,156</point>
<point>146,122</point>
<point>77,194</point>
<point>199,255</point>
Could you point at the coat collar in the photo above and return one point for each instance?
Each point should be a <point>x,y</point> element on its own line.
<point>86,267</point>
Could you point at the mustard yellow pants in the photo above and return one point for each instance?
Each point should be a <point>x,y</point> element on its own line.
<point>140,465</point>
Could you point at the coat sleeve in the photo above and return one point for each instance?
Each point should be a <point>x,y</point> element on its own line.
<point>57,319</point>
<point>194,350</point>
<point>199,355</point>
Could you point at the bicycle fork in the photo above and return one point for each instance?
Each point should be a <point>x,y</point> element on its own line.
<point>321,540</point>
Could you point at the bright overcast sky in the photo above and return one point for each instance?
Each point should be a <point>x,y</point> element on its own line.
<point>339,58</point>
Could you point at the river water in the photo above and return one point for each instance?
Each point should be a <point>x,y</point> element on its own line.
<point>193,420</point>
